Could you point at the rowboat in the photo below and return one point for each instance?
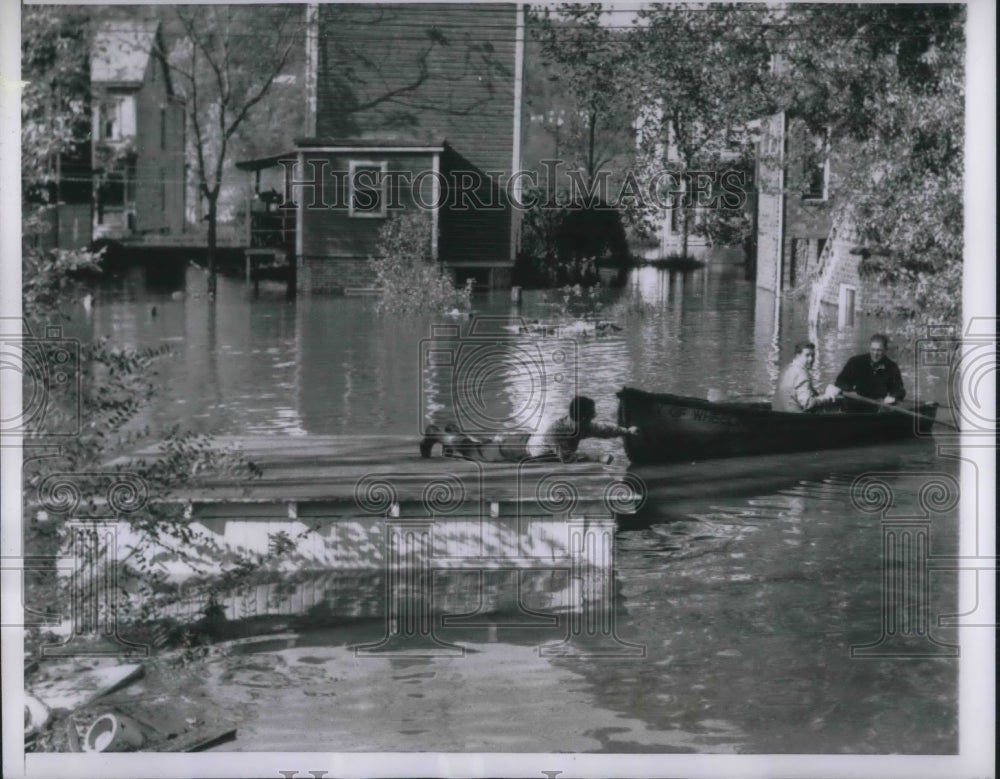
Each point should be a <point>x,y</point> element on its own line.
<point>674,428</point>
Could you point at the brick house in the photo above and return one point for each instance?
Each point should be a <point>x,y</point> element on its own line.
<point>408,107</point>
<point>800,241</point>
<point>793,214</point>
<point>138,134</point>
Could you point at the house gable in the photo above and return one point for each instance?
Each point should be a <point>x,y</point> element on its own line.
<point>138,133</point>
<point>439,70</point>
<point>443,69</point>
<point>121,52</point>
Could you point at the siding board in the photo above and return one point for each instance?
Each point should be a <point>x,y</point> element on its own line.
<point>443,70</point>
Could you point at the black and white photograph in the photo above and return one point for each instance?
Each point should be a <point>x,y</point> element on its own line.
<point>494,389</point>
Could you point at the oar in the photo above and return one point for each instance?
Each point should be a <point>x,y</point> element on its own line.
<point>898,410</point>
<point>718,396</point>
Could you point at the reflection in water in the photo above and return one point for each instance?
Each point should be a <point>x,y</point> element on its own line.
<point>767,335</point>
<point>751,606</point>
<point>324,365</point>
<point>748,584</point>
<point>747,609</point>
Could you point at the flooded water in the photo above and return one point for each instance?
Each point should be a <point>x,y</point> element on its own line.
<point>752,588</point>
<point>327,365</point>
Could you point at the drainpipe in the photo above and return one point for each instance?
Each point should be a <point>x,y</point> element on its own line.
<point>780,265</point>
<point>516,155</point>
<point>436,211</point>
<point>300,216</point>
<point>312,67</point>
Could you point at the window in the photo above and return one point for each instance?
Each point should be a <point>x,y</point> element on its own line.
<point>116,118</point>
<point>366,189</point>
<point>817,168</point>
<point>845,307</point>
<point>110,131</point>
<point>111,195</point>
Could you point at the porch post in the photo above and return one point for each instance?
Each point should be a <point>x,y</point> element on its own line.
<point>435,199</point>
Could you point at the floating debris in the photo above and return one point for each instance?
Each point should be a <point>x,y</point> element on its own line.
<point>113,733</point>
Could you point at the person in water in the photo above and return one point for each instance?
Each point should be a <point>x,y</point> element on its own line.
<point>872,375</point>
<point>559,441</point>
<point>795,389</point>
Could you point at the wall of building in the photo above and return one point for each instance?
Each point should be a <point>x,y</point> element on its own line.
<point>466,97</point>
<point>65,226</point>
<point>798,231</point>
<point>842,270</point>
<point>769,178</point>
<point>328,229</point>
<point>792,227</point>
<point>333,276</point>
<point>807,224</point>
<point>159,200</point>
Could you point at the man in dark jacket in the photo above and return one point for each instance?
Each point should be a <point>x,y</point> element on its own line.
<point>873,375</point>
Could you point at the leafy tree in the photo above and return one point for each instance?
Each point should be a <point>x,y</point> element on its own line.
<point>587,64</point>
<point>570,245</point>
<point>226,62</point>
<point>887,83</point>
<point>701,71</point>
<point>55,119</point>
<point>83,400</point>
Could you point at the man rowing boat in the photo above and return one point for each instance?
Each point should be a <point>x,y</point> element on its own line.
<point>872,376</point>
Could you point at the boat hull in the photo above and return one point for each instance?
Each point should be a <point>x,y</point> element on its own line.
<point>674,428</point>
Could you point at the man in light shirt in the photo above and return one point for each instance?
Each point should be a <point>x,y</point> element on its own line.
<point>561,439</point>
<point>795,389</point>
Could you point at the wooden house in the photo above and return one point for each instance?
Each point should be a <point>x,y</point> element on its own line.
<point>138,134</point>
<point>410,107</point>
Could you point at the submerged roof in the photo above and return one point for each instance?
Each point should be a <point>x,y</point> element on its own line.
<point>121,51</point>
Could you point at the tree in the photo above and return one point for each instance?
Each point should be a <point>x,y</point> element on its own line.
<point>887,83</point>
<point>83,399</point>
<point>55,119</point>
<point>588,67</point>
<point>701,73</point>
<point>226,62</point>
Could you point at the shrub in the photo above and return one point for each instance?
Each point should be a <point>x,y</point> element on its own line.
<point>406,275</point>
<point>570,245</point>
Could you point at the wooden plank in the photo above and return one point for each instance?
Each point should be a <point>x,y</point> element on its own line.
<point>198,740</point>
<point>69,687</point>
<point>335,468</point>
